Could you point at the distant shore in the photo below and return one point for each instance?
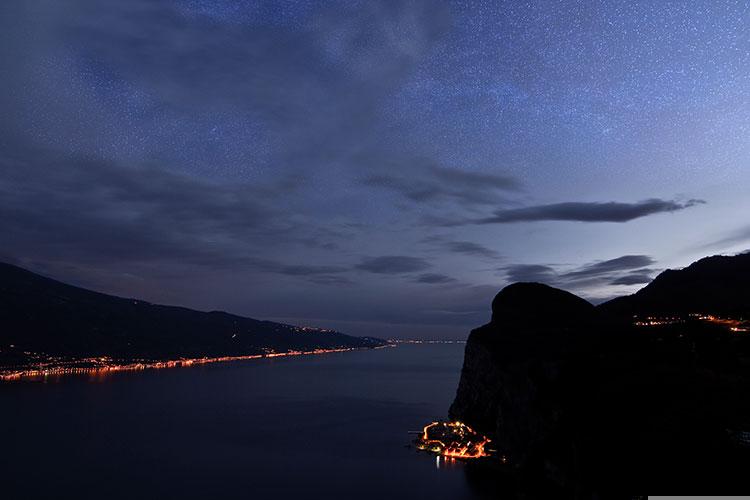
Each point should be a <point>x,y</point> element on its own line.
<point>103,365</point>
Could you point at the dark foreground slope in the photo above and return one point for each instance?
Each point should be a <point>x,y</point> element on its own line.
<point>41,315</point>
<point>586,405</point>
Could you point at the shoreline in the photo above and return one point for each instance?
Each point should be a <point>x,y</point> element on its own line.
<point>104,365</point>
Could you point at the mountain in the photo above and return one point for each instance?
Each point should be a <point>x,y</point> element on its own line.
<point>583,403</point>
<point>41,315</point>
<point>717,285</point>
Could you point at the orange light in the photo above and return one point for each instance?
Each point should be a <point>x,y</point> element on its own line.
<point>104,365</point>
<point>458,446</point>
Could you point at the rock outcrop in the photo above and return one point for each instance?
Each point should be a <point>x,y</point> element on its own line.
<point>515,380</point>
<point>584,405</point>
<point>513,365</point>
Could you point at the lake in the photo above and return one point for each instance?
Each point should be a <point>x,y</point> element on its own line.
<point>331,426</point>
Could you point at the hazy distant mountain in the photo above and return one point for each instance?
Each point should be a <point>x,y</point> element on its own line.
<point>719,285</point>
<point>38,314</point>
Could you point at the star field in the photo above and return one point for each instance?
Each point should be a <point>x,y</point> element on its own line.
<point>365,165</point>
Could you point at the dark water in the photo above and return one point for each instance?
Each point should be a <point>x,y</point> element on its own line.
<point>331,426</point>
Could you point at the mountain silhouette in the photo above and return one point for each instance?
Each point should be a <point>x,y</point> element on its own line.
<point>717,285</point>
<point>42,315</point>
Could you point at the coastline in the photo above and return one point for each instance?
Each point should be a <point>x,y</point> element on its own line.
<point>102,366</point>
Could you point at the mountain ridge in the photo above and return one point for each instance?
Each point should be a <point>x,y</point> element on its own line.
<point>44,315</point>
<point>716,284</point>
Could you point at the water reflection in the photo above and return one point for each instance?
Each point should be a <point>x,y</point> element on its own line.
<point>449,463</point>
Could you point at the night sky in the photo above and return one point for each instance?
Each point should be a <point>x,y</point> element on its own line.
<point>381,168</point>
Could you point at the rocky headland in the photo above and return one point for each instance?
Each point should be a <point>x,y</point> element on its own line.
<point>591,402</point>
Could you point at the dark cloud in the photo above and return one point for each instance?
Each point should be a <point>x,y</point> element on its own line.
<point>633,279</point>
<point>433,279</point>
<point>393,264</point>
<point>330,280</point>
<point>477,180</point>
<point>470,248</point>
<point>531,272</point>
<point>625,270</point>
<point>156,81</point>
<point>586,212</point>
<point>626,262</point>
<point>304,270</point>
<point>421,181</point>
<point>444,243</point>
<point>61,207</point>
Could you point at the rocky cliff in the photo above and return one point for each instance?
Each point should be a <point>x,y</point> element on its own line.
<point>513,366</point>
<point>515,379</point>
<point>586,405</point>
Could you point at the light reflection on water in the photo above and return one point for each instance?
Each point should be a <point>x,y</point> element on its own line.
<point>331,426</point>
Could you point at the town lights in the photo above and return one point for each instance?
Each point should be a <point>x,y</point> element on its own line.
<point>452,440</point>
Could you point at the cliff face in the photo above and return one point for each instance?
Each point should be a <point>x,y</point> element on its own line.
<point>516,402</point>
<point>479,389</point>
<point>515,381</point>
<point>583,404</point>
